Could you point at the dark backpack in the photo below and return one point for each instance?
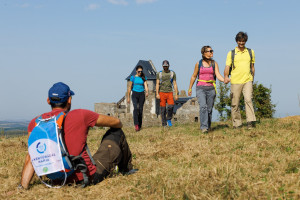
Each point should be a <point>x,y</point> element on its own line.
<point>232,60</point>
<point>213,65</point>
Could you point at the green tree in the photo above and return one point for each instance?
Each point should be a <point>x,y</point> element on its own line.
<point>223,101</point>
<point>261,101</point>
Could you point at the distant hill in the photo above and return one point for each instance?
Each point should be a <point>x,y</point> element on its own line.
<point>13,124</point>
<point>12,128</point>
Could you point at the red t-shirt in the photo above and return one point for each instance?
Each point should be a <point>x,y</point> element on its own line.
<point>76,127</point>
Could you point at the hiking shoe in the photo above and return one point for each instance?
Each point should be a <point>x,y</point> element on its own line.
<point>204,130</point>
<point>116,170</point>
<point>137,128</point>
<point>169,123</point>
<point>250,125</point>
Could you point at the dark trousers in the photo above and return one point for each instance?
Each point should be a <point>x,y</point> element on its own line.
<point>166,114</point>
<point>113,150</point>
<point>138,100</point>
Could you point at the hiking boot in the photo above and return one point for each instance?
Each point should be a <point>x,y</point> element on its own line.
<point>169,123</point>
<point>204,130</point>
<point>137,128</point>
<point>250,125</point>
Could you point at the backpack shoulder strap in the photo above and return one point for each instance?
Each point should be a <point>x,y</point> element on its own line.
<point>171,74</point>
<point>232,61</point>
<point>160,76</point>
<point>214,68</point>
<point>60,118</point>
<point>232,57</point>
<point>199,66</point>
<point>250,53</point>
<point>60,123</point>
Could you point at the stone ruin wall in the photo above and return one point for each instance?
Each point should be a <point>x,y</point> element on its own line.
<point>187,113</point>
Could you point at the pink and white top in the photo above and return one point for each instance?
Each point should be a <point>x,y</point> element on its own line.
<point>207,74</point>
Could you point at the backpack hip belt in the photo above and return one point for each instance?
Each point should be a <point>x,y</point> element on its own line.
<point>210,81</point>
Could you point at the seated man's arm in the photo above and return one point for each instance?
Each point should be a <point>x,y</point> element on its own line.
<point>108,121</point>
<point>27,173</point>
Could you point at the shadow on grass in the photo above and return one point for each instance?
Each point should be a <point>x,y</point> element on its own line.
<point>220,126</point>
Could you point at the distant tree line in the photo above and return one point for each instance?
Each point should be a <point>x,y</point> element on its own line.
<point>261,101</point>
<point>12,132</point>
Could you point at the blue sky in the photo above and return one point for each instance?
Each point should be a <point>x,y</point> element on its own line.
<point>94,45</point>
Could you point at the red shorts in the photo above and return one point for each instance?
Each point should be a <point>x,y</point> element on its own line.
<point>166,97</point>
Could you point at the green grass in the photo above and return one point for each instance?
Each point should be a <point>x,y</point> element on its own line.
<point>182,163</point>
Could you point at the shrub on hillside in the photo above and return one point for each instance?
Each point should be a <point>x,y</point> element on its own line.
<point>261,100</point>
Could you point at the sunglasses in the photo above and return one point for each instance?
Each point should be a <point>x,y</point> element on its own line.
<point>211,51</point>
<point>139,71</point>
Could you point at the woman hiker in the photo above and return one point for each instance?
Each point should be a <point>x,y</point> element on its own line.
<point>207,71</point>
<point>139,87</point>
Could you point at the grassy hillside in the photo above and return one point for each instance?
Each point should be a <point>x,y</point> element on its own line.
<point>182,163</point>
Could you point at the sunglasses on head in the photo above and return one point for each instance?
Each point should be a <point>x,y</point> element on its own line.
<point>211,51</point>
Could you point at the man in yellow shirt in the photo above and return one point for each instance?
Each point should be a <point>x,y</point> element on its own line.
<point>241,61</point>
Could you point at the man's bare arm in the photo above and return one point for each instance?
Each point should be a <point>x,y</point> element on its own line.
<point>157,89</point>
<point>176,90</point>
<point>108,121</point>
<point>27,173</point>
<point>226,74</point>
<point>253,70</point>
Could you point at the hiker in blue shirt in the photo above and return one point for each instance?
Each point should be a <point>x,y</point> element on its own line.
<point>139,87</point>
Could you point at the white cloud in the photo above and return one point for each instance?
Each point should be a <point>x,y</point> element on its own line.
<point>92,7</point>
<point>144,1</point>
<point>118,2</point>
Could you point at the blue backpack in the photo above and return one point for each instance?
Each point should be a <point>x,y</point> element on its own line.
<point>48,152</point>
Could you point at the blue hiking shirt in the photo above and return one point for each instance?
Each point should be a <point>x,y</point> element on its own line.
<point>138,84</point>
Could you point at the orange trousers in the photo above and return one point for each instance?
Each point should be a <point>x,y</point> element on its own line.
<point>166,97</point>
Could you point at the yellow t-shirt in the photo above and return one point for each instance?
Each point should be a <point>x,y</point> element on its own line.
<point>241,73</point>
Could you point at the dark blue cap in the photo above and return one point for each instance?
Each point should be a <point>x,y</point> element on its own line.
<point>165,63</point>
<point>59,93</point>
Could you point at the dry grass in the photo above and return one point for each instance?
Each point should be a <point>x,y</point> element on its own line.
<point>182,163</point>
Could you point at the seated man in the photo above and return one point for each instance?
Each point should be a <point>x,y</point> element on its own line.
<point>113,151</point>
